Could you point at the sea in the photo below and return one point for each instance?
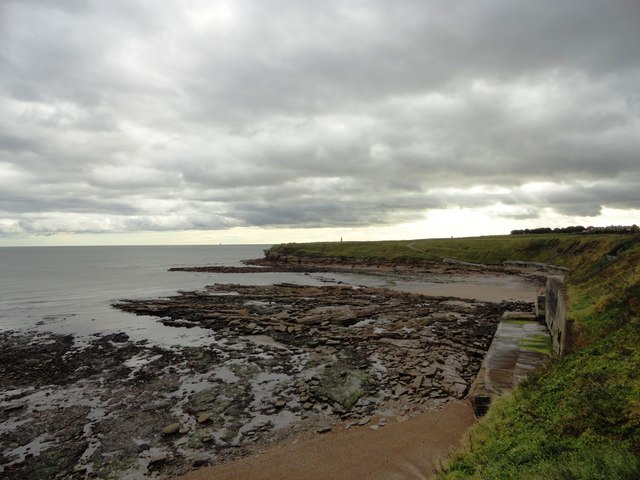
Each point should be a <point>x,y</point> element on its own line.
<point>70,290</point>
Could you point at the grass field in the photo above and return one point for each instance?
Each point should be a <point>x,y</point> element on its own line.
<point>579,417</point>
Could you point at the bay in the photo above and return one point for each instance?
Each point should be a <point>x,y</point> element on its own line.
<point>69,290</point>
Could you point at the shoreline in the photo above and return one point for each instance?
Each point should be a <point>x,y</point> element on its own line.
<point>115,384</point>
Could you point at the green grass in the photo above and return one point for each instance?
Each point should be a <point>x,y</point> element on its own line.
<point>562,250</point>
<point>578,417</point>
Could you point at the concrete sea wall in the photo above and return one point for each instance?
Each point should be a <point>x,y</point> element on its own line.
<point>560,327</point>
<point>518,345</point>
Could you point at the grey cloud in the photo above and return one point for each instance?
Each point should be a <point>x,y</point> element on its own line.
<point>47,202</point>
<point>327,211</point>
<point>187,115</point>
<point>13,143</point>
<point>73,6</point>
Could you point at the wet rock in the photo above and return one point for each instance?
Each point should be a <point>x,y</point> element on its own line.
<point>400,390</point>
<point>120,337</point>
<point>13,407</point>
<point>200,460</point>
<point>429,371</point>
<point>458,389</point>
<point>204,417</point>
<point>158,458</point>
<point>417,382</point>
<point>343,386</point>
<point>171,429</point>
<point>338,409</point>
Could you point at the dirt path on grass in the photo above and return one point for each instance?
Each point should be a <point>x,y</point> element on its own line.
<point>408,450</point>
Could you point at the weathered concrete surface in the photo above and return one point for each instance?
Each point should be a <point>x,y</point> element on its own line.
<point>520,345</point>
<point>556,314</point>
<point>541,305</point>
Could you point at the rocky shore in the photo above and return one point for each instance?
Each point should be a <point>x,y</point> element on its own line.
<point>274,262</point>
<point>286,359</point>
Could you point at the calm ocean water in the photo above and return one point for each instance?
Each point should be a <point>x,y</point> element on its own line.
<point>71,289</point>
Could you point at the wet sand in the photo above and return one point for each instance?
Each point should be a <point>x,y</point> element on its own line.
<point>408,450</point>
<point>488,283</point>
<point>481,287</point>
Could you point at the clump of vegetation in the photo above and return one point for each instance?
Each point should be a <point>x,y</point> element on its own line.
<point>578,417</point>
<point>580,229</point>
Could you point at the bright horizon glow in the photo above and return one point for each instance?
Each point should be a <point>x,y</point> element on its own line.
<point>443,223</point>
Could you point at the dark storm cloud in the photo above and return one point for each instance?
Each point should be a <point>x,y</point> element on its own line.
<point>140,115</point>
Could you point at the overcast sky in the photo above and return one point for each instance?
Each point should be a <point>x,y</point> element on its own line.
<point>145,121</point>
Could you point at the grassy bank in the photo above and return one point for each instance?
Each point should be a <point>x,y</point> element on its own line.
<point>578,418</point>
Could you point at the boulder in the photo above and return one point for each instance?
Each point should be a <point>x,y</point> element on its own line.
<point>429,371</point>
<point>458,389</point>
<point>158,458</point>
<point>171,429</point>
<point>342,386</point>
<point>13,407</point>
<point>400,390</point>
<point>204,417</point>
<point>200,459</point>
<point>417,382</point>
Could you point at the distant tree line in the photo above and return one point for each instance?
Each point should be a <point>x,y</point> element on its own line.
<point>579,229</point>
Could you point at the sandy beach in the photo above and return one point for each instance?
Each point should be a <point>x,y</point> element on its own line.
<point>409,450</point>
